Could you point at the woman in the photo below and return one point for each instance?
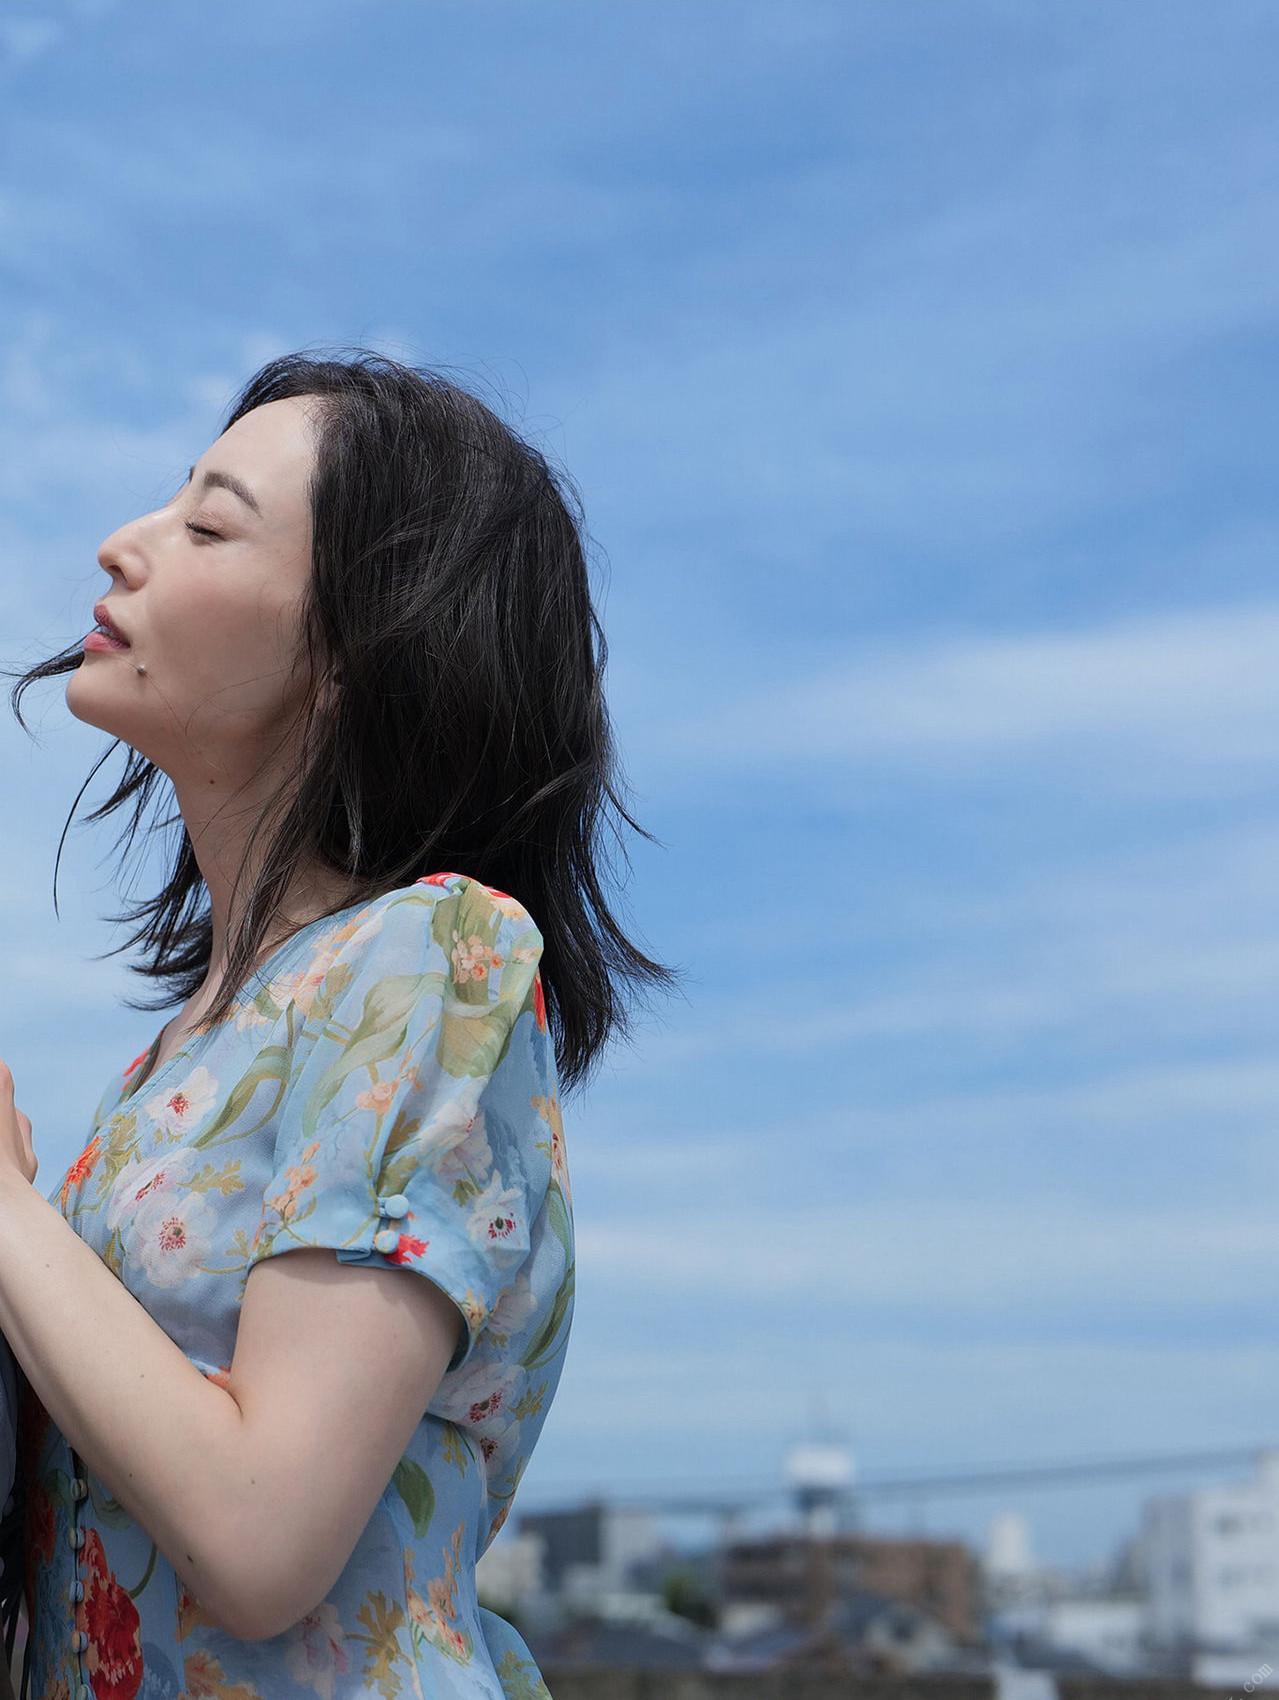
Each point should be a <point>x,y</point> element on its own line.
<point>359,642</point>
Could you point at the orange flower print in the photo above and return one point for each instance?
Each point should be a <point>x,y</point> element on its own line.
<point>435,1614</point>
<point>128,1071</point>
<point>472,958</point>
<point>298,1177</point>
<point>495,1527</point>
<point>82,1168</point>
<point>114,1652</point>
<point>379,1097</point>
<point>407,1247</point>
<point>192,1615</point>
<point>207,1680</point>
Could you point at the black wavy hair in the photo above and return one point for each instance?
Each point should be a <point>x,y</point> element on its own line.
<point>449,606</point>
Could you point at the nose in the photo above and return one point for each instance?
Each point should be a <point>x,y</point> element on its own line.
<point>123,552</point>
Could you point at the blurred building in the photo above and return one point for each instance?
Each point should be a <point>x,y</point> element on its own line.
<point>1075,1634</point>
<point>940,1579</point>
<point>511,1571</point>
<point>594,1548</point>
<point>1211,1565</point>
<point>864,1634</point>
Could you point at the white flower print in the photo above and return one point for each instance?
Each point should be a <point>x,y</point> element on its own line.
<point>314,1652</point>
<point>170,1235</point>
<point>497,1218</point>
<point>500,1443</point>
<point>193,1177</point>
<point>513,1309</point>
<point>140,1179</point>
<point>481,1393</point>
<point>177,1109</point>
<point>456,1140</point>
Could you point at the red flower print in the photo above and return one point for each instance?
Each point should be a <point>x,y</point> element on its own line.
<point>489,1406</point>
<point>407,1247</point>
<point>539,1002</point>
<point>128,1071</point>
<point>435,879</point>
<point>114,1653</point>
<point>157,1179</point>
<point>82,1168</point>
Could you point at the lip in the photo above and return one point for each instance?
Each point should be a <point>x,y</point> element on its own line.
<point>102,615</point>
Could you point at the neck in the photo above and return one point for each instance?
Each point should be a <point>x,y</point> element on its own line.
<point>218,820</point>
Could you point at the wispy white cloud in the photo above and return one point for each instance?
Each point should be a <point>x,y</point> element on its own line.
<point>965,1257</point>
<point>1171,702</point>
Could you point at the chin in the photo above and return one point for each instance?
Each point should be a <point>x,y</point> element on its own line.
<point>92,703</point>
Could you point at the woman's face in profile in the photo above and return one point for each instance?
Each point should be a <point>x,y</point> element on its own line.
<point>207,590</point>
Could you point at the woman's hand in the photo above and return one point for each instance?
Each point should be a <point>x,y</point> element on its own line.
<point>18,1161</point>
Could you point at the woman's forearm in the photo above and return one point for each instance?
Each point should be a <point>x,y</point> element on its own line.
<point>166,1441</point>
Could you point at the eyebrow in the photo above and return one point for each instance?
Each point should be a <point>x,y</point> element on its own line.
<point>227,481</point>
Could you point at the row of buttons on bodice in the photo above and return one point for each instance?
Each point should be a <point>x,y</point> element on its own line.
<point>75,1539</point>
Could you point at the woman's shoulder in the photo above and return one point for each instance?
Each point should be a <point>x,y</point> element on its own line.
<point>444,936</point>
<point>476,927</point>
<point>467,897</point>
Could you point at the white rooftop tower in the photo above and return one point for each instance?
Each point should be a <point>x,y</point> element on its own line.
<point>1007,1557</point>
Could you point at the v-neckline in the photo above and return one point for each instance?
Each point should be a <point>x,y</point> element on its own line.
<point>200,1035</point>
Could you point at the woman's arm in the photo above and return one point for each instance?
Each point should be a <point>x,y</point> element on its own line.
<point>256,1492</point>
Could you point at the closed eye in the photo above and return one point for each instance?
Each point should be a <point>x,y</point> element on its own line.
<point>202,530</point>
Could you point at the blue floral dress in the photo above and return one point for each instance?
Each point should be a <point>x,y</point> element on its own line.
<point>385,1087</point>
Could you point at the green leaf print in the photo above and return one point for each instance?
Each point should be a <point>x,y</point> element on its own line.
<point>225,1180</point>
<point>520,1679</point>
<point>383,1620</point>
<point>398,1157</point>
<point>330,991</point>
<point>557,1215</point>
<point>473,1041</point>
<point>380,1034</point>
<point>543,1343</point>
<point>414,1487</point>
<point>271,1063</point>
<point>112,1253</point>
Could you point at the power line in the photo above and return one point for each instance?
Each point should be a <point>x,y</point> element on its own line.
<point>697,1495</point>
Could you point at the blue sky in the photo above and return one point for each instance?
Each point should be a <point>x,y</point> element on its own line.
<point>916,364</point>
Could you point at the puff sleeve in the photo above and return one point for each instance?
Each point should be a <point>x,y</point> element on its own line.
<point>407,1136</point>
